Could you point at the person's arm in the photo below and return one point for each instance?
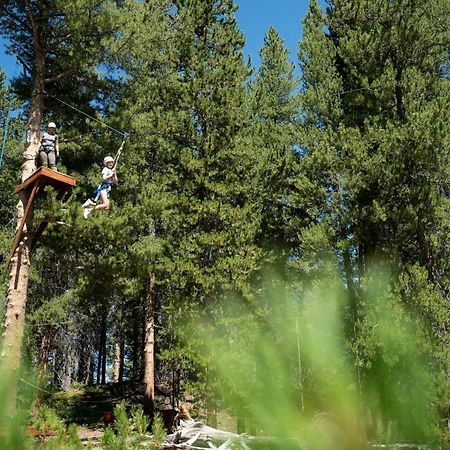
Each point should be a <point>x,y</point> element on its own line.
<point>57,147</point>
<point>115,179</point>
<point>105,174</point>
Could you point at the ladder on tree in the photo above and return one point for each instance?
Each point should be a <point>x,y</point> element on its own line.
<point>61,182</point>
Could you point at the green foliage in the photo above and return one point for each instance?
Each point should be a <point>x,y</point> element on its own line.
<point>376,146</point>
<point>224,176</point>
<point>315,395</point>
<point>9,168</point>
<point>129,430</point>
<point>13,434</point>
<point>46,418</point>
<point>65,440</point>
<point>158,432</point>
<point>275,188</point>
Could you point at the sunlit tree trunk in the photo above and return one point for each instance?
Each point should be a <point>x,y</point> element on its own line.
<point>20,261</point>
<point>149,348</point>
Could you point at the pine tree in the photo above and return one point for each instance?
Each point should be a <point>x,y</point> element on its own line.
<point>9,162</point>
<point>321,86</point>
<point>53,40</point>
<point>275,131</point>
<point>375,86</point>
<point>193,165</point>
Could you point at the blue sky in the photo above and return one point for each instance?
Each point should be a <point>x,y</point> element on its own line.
<point>254,18</point>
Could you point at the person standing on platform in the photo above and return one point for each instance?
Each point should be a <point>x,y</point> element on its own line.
<point>49,149</point>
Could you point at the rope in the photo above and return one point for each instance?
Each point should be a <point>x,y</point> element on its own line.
<point>33,385</point>
<point>119,152</point>
<point>124,134</point>
<point>116,160</point>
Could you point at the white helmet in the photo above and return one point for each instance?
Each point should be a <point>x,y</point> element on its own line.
<point>51,125</point>
<point>108,159</point>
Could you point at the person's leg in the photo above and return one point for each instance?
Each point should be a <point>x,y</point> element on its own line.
<point>51,160</point>
<point>43,160</point>
<point>104,206</point>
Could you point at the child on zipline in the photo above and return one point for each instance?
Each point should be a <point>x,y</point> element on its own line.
<point>109,177</point>
<point>49,148</point>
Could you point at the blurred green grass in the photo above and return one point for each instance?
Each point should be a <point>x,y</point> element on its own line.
<point>300,366</point>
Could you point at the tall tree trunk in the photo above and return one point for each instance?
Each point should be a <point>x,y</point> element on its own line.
<point>350,284</point>
<point>89,380</point>
<point>119,347</point>
<point>116,361</point>
<point>66,379</point>
<point>20,261</point>
<point>101,360</point>
<point>104,352</point>
<point>122,359</point>
<point>136,349</point>
<point>211,412</point>
<point>149,347</point>
<point>81,371</point>
<point>44,352</point>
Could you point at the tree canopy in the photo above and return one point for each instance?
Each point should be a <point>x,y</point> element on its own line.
<point>240,187</point>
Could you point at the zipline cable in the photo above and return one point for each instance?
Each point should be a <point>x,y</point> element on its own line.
<point>5,134</point>
<point>124,134</point>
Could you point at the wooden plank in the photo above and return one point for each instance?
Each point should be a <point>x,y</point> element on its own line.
<point>44,177</point>
<point>21,225</point>
<point>38,233</point>
<point>41,228</point>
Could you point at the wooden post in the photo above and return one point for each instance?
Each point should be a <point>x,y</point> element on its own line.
<point>23,220</point>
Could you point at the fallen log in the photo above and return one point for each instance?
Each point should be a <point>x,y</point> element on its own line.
<point>197,435</point>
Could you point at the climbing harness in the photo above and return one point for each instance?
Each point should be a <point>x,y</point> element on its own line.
<point>103,185</point>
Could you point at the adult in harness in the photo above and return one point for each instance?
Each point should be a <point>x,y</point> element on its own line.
<point>109,177</point>
<point>49,149</point>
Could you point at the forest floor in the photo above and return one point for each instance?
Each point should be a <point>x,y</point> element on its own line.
<point>86,406</point>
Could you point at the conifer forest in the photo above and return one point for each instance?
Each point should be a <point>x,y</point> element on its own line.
<point>271,267</point>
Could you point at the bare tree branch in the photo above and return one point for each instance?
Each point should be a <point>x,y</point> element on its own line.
<point>24,64</point>
<point>33,23</point>
<point>61,75</point>
<point>14,18</point>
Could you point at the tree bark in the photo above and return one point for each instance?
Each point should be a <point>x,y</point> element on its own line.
<point>149,347</point>
<point>20,261</point>
<point>104,352</point>
<point>89,380</point>
<point>116,362</point>
<point>211,412</point>
<point>44,352</point>
<point>119,347</point>
<point>66,362</point>
<point>136,347</point>
<point>101,360</point>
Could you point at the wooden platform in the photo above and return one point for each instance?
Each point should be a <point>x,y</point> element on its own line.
<point>35,182</point>
<point>47,177</point>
